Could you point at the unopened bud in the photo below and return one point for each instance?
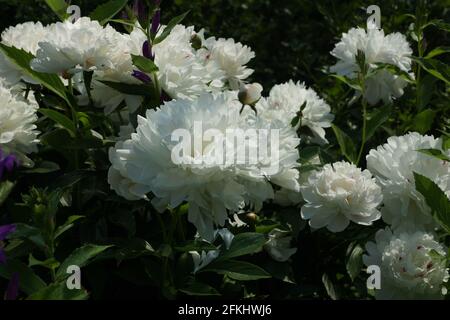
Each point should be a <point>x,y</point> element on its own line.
<point>249,94</point>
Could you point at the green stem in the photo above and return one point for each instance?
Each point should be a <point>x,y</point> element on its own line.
<point>363,142</point>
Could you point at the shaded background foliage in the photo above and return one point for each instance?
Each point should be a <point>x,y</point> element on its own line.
<point>292,40</point>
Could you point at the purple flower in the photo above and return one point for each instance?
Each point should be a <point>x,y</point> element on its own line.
<point>147,50</point>
<point>7,163</point>
<point>140,11</point>
<point>13,287</point>
<point>4,231</point>
<point>156,22</point>
<point>141,76</point>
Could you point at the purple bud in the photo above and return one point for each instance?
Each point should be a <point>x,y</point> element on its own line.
<point>7,163</point>
<point>6,229</point>
<point>155,22</point>
<point>140,11</point>
<point>147,50</point>
<point>2,256</point>
<point>13,288</point>
<point>141,76</point>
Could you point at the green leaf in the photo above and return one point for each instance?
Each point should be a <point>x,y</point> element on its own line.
<point>354,263</point>
<point>33,234</point>
<point>80,257</point>
<point>22,59</point>
<point>195,245</point>
<point>435,153</point>
<point>329,287</point>
<point>106,11</point>
<point>351,83</point>
<point>131,89</point>
<point>436,200</point>
<point>51,263</point>
<point>238,270</point>
<point>436,68</point>
<point>376,120</point>
<point>347,146</point>
<point>307,153</point>
<point>172,23</point>
<point>423,121</point>
<point>43,167</point>
<point>61,119</point>
<point>67,225</point>
<point>5,189</point>
<point>425,90</point>
<point>59,291</point>
<point>196,288</point>
<point>59,7</point>
<point>437,51</point>
<point>29,282</point>
<point>244,243</point>
<point>144,64</point>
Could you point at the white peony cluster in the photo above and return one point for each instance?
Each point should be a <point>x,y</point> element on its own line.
<point>394,164</point>
<point>187,70</point>
<point>284,103</point>
<point>412,266</point>
<point>18,134</point>
<point>338,194</point>
<point>211,187</point>
<point>392,49</point>
<point>24,36</point>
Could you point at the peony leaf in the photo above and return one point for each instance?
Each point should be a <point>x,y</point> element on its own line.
<point>435,153</point>
<point>29,282</point>
<point>423,121</point>
<point>196,288</point>
<point>172,23</point>
<point>59,7</point>
<point>22,59</point>
<point>244,243</point>
<point>376,120</point>
<point>144,64</point>
<point>238,270</point>
<point>103,13</point>
<point>131,89</point>
<point>436,200</point>
<point>61,119</point>
<point>5,189</point>
<point>436,68</point>
<point>347,146</point>
<point>80,257</point>
<point>59,291</point>
<point>354,262</point>
<point>437,51</point>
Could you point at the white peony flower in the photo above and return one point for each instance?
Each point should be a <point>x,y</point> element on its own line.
<point>81,46</point>
<point>184,73</point>
<point>201,177</point>
<point>279,245</point>
<point>231,58</point>
<point>391,49</point>
<point>394,164</point>
<point>285,101</point>
<point>413,266</point>
<point>18,134</point>
<point>117,179</point>
<point>25,36</point>
<point>338,194</point>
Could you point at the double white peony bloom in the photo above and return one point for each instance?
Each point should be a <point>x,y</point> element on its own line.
<point>145,163</point>
<point>338,194</point>
<point>394,164</point>
<point>378,48</point>
<point>18,134</point>
<point>284,104</point>
<point>412,265</point>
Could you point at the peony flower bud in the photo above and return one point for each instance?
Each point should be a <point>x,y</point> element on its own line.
<point>249,94</point>
<point>141,76</point>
